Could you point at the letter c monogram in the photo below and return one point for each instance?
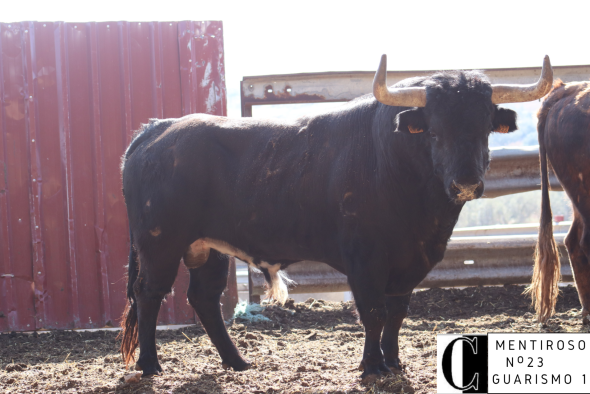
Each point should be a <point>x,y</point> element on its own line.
<point>447,361</point>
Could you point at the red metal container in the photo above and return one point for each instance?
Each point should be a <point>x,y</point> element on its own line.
<point>72,95</point>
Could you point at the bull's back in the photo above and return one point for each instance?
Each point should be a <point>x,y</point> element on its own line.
<point>250,161</point>
<point>233,179</point>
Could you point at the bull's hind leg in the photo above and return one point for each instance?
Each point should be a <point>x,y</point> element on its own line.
<point>155,280</point>
<point>207,283</point>
<point>579,262</point>
<point>397,310</point>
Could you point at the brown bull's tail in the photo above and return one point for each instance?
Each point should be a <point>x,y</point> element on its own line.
<point>129,324</point>
<point>547,270</point>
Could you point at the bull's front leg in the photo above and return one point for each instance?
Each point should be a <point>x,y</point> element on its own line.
<point>397,310</point>
<point>373,316</point>
<point>370,303</point>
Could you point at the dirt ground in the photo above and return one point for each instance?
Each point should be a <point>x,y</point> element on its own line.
<point>310,347</point>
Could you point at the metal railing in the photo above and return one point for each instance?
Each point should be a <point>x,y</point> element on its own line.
<point>344,86</point>
<point>512,229</point>
<point>469,261</point>
<point>515,170</point>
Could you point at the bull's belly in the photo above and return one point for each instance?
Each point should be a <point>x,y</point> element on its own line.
<point>407,273</point>
<point>285,237</point>
<point>198,253</point>
<point>406,270</point>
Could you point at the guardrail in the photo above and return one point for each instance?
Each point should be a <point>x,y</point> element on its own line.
<point>515,170</point>
<point>469,261</point>
<point>511,229</point>
<point>345,86</point>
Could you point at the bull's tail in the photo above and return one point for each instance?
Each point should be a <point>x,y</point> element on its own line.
<point>130,332</point>
<point>279,287</point>
<point>547,270</point>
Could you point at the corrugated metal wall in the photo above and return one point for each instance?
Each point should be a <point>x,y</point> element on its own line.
<point>72,94</point>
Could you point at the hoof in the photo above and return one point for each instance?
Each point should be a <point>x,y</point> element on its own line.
<point>585,321</point>
<point>384,369</point>
<point>369,378</point>
<point>394,366</point>
<point>149,374</point>
<point>241,365</point>
<point>154,369</point>
<point>372,372</point>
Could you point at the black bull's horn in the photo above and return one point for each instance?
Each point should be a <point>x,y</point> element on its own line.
<point>416,96</point>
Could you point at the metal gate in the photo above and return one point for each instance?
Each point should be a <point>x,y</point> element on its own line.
<point>72,94</point>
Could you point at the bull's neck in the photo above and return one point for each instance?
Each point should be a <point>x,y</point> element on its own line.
<point>405,164</point>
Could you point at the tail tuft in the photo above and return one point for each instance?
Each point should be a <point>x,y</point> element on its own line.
<point>278,283</point>
<point>546,275</point>
<point>279,290</point>
<point>130,333</point>
<point>129,324</point>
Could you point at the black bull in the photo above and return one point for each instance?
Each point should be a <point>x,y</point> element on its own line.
<point>373,190</point>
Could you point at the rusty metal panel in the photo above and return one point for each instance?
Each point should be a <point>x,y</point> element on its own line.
<point>49,186</point>
<point>79,160</point>
<point>345,86</point>
<point>72,95</point>
<point>17,302</point>
<point>202,67</point>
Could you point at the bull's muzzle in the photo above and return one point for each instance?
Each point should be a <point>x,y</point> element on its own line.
<point>463,192</point>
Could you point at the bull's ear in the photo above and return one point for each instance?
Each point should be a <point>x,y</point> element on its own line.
<point>504,120</point>
<point>410,121</point>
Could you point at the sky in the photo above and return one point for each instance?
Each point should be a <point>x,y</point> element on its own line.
<point>281,37</point>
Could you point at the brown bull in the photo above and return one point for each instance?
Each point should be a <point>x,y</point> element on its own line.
<point>564,139</point>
